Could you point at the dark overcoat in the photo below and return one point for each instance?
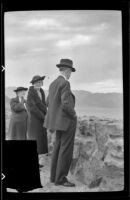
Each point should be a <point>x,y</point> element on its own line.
<point>18,121</point>
<point>61,103</point>
<point>37,111</point>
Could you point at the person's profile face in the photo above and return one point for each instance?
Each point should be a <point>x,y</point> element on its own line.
<point>38,84</point>
<point>68,73</point>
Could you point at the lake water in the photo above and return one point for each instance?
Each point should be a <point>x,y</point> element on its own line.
<point>115,113</point>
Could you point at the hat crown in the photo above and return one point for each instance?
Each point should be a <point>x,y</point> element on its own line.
<point>37,78</point>
<point>66,62</point>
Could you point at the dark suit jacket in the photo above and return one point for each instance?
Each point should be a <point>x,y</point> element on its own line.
<point>61,103</point>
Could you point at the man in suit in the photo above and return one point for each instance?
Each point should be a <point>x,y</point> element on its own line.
<point>61,117</point>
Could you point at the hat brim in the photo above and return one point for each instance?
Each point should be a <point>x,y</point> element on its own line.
<point>24,89</point>
<point>67,66</point>
<point>40,79</point>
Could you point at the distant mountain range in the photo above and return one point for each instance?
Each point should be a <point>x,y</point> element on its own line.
<point>88,99</point>
<point>85,98</point>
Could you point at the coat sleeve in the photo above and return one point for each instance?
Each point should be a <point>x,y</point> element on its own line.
<point>32,108</point>
<point>44,106</point>
<point>16,106</point>
<point>65,100</point>
<point>47,101</point>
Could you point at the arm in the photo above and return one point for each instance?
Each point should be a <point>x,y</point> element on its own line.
<point>16,106</point>
<point>65,101</point>
<point>44,106</point>
<point>47,101</point>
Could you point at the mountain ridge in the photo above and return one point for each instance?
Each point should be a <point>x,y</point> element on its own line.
<point>86,98</point>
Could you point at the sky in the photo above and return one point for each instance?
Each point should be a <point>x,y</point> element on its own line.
<point>35,41</point>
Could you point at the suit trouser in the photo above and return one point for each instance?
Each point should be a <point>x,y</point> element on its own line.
<point>62,153</point>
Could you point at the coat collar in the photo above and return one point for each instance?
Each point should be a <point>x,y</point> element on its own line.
<point>63,76</point>
<point>33,92</point>
<point>60,76</point>
<point>32,89</point>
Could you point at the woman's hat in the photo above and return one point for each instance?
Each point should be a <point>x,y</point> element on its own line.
<point>20,89</point>
<point>37,78</point>
<point>66,63</point>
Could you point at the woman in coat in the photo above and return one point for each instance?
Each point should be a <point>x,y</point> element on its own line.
<point>37,110</point>
<point>18,121</point>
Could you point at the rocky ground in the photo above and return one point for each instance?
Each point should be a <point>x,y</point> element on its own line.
<point>99,154</point>
<point>98,158</point>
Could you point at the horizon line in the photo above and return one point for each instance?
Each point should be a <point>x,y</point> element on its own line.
<point>76,90</point>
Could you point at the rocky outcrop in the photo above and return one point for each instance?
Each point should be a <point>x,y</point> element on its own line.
<point>98,159</point>
<point>98,156</point>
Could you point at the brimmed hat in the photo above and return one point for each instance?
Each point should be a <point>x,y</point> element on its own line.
<point>37,78</point>
<point>20,89</point>
<point>66,63</point>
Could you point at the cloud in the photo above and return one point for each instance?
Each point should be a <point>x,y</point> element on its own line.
<point>16,46</point>
<point>37,50</point>
<point>109,85</point>
<point>37,40</point>
<point>100,27</point>
<point>30,38</point>
<point>75,41</point>
<point>43,23</point>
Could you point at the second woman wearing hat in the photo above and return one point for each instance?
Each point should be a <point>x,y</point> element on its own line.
<point>37,111</point>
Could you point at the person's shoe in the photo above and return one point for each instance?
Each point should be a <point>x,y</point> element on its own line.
<point>66,184</point>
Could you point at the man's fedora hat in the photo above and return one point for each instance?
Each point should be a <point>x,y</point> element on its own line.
<point>66,63</point>
<point>20,89</point>
<point>37,78</point>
